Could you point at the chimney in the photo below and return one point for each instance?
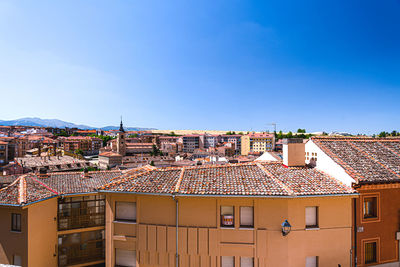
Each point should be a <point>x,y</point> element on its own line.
<point>43,173</point>
<point>293,152</point>
<point>86,173</point>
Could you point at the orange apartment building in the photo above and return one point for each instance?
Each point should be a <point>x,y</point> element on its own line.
<point>254,214</point>
<point>89,145</point>
<point>372,167</point>
<point>55,219</point>
<point>257,143</point>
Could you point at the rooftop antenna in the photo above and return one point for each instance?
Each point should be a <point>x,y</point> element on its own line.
<point>273,124</point>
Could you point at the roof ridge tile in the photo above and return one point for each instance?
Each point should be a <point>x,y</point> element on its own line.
<point>288,190</point>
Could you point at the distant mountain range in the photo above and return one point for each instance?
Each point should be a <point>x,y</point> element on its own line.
<point>62,124</point>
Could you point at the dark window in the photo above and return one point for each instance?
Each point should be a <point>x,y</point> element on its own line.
<point>370,252</point>
<point>370,207</point>
<point>16,222</point>
<point>227,216</point>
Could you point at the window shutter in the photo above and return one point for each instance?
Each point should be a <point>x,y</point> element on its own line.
<point>125,257</point>
<point>311,216</point>
<point>226,210</point>
<point>246,216</point>
<point>246,262</point>
<point>125,211</point>
<point>227,261</point>
<point>312,261</point>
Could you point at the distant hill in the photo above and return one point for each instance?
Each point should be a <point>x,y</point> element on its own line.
<point>61,124</point>
<point>108,128</point>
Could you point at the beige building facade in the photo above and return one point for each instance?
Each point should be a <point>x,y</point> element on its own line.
<point>203,239</point>
<point>257,143</point>
<point>239,215</point>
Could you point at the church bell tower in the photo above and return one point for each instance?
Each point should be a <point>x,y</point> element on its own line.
<point>121,142</point>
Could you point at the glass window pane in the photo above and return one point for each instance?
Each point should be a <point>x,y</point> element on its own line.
<point>227,261</point>
<point>311,217</point>
<point>246,216</point>
<point>125,211</point>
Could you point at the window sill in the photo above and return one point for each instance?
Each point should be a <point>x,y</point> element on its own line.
<point>17,232</point>
<point>227,227</point>
<point>124,222</point>
<point>246,228</point>
<point>312,228</point>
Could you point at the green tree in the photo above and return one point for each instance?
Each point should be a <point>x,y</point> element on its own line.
<point>382,134</point>
<point>155,151</point>
<point>152,163</point>
<point>62,133</point>
<point>301,130</point>
<point>78,151</point>
<point>133,135</point>
<point>289,134</point>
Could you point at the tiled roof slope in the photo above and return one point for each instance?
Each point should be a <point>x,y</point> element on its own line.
<point>306,181</point>
<point>8,179</point>
<point>367,160</point>
<point>29,188</point>
<point>25,189</point>
<point>230,180</point>
<point>251,179</point>
<point>76,182</point>
<point>157,181</point>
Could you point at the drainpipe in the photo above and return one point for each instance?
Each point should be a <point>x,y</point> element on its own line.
<point>355,232</point>
<point>177,228</point>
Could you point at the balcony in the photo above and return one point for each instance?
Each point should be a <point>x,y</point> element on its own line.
<point>81,212</point>
<point>80,248</point>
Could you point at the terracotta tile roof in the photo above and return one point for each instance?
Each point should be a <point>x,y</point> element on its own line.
<point>367,160</point>
<point>251,179</point>
<point>110,154</point>
<point>230,180</point>
<point>306,181</point>
<point>76,182</point>
<point>29,188</point>
<point>26,189</point>
<point>161,181</point>
<point>8,179</point>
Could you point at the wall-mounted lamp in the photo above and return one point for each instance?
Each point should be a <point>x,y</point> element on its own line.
<point>286,227</point>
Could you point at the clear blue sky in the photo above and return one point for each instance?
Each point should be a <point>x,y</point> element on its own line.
<point>230,65</point>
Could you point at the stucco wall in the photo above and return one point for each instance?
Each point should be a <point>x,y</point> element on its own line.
<point>202,241</point>
<point>12,243</point>
<point>42,233</point>
<point>327,164</point>
<point>372,229</point>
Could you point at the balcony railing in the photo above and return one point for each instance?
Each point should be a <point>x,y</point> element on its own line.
<point>73,250</point>
<point>81,212</point>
